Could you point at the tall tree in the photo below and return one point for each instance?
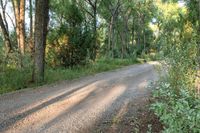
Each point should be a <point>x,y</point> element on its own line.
<point>41,23</point>
<point>19,12</point>
<point>4,27</point>
<point>111,8</point>
<point>92,11</point>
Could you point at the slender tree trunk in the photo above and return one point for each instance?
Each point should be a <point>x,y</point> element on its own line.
<point>122,36</point>
<point>112,31</point>
<point>95,29</point>
<point>41,23</point>
<point>144,37</point>
<point>95,32</point>
<point>12,21</point>
<point>15,4</point>
<point>110,35</point>
<point>4,27</point>
<point>93,4</point>
<point>31,39</point>
<point>109,39</point>
<point>126,34</point>
<point>138,39</point>
<point>3,7</point>
<point>6,36</point>
<point>19,12</point>
<point>133,33</point>
<point>22,27</point>
<point>31,44</point>
<point>199,39</point>
<point>113,42</point>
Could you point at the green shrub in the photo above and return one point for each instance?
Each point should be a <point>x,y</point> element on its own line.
<point>179,113</point>
<point>71,43</point>
<point>14,79</point>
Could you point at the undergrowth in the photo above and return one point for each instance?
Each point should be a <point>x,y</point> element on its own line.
<point>13,79</point>
<point>180,113</point>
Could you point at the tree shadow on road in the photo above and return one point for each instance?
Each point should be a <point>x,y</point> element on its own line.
<point>102,109</point>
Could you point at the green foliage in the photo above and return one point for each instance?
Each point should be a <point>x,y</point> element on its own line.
<point>100,65</point>
<point>13,79</point>
<point>69,44</point>
<point>183,65</point>
<point>131,32</point>
<point>179,113</point>
<point>177,40</point>
<point>176,103</point>
<point>12,76</point>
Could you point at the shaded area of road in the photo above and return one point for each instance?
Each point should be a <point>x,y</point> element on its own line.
<point>76,106</point>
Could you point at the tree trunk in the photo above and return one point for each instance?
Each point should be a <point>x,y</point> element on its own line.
<point>95,31</point>
<point>3,7</point>
<point>138,39</point>
<point>15,4</point>
<point>22,27</point>
<point>6,36</point>
<point>126,33</point>
<point>113,43</point>
<point>144,37</point>
<point>110,35</point>
<point>123,43</point>
<point>41,23</point>
<point>109,39</point>
<point>133,34</point>
<point>31,44</point>
<point>19,12</point>
<point>93,14</point>
<point>199,34</point>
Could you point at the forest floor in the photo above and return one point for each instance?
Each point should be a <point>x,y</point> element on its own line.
<point>115,101</point>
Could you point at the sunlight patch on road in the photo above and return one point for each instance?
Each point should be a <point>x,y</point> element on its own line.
<point>50,112</point>
<point>89,112</point>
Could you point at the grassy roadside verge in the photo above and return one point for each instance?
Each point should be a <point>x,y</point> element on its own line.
<point>13,80</point>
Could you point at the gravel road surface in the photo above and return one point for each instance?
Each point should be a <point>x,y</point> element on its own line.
<point>75,106</point>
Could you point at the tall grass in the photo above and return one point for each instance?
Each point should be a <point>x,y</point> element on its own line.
<point>16,79</point>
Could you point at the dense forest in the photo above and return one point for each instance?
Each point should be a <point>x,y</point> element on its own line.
<point>43,41</point>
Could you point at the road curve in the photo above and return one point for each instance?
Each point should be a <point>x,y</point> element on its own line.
<point>74,106</point>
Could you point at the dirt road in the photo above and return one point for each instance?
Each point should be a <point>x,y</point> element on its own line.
<point>76,106</point>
